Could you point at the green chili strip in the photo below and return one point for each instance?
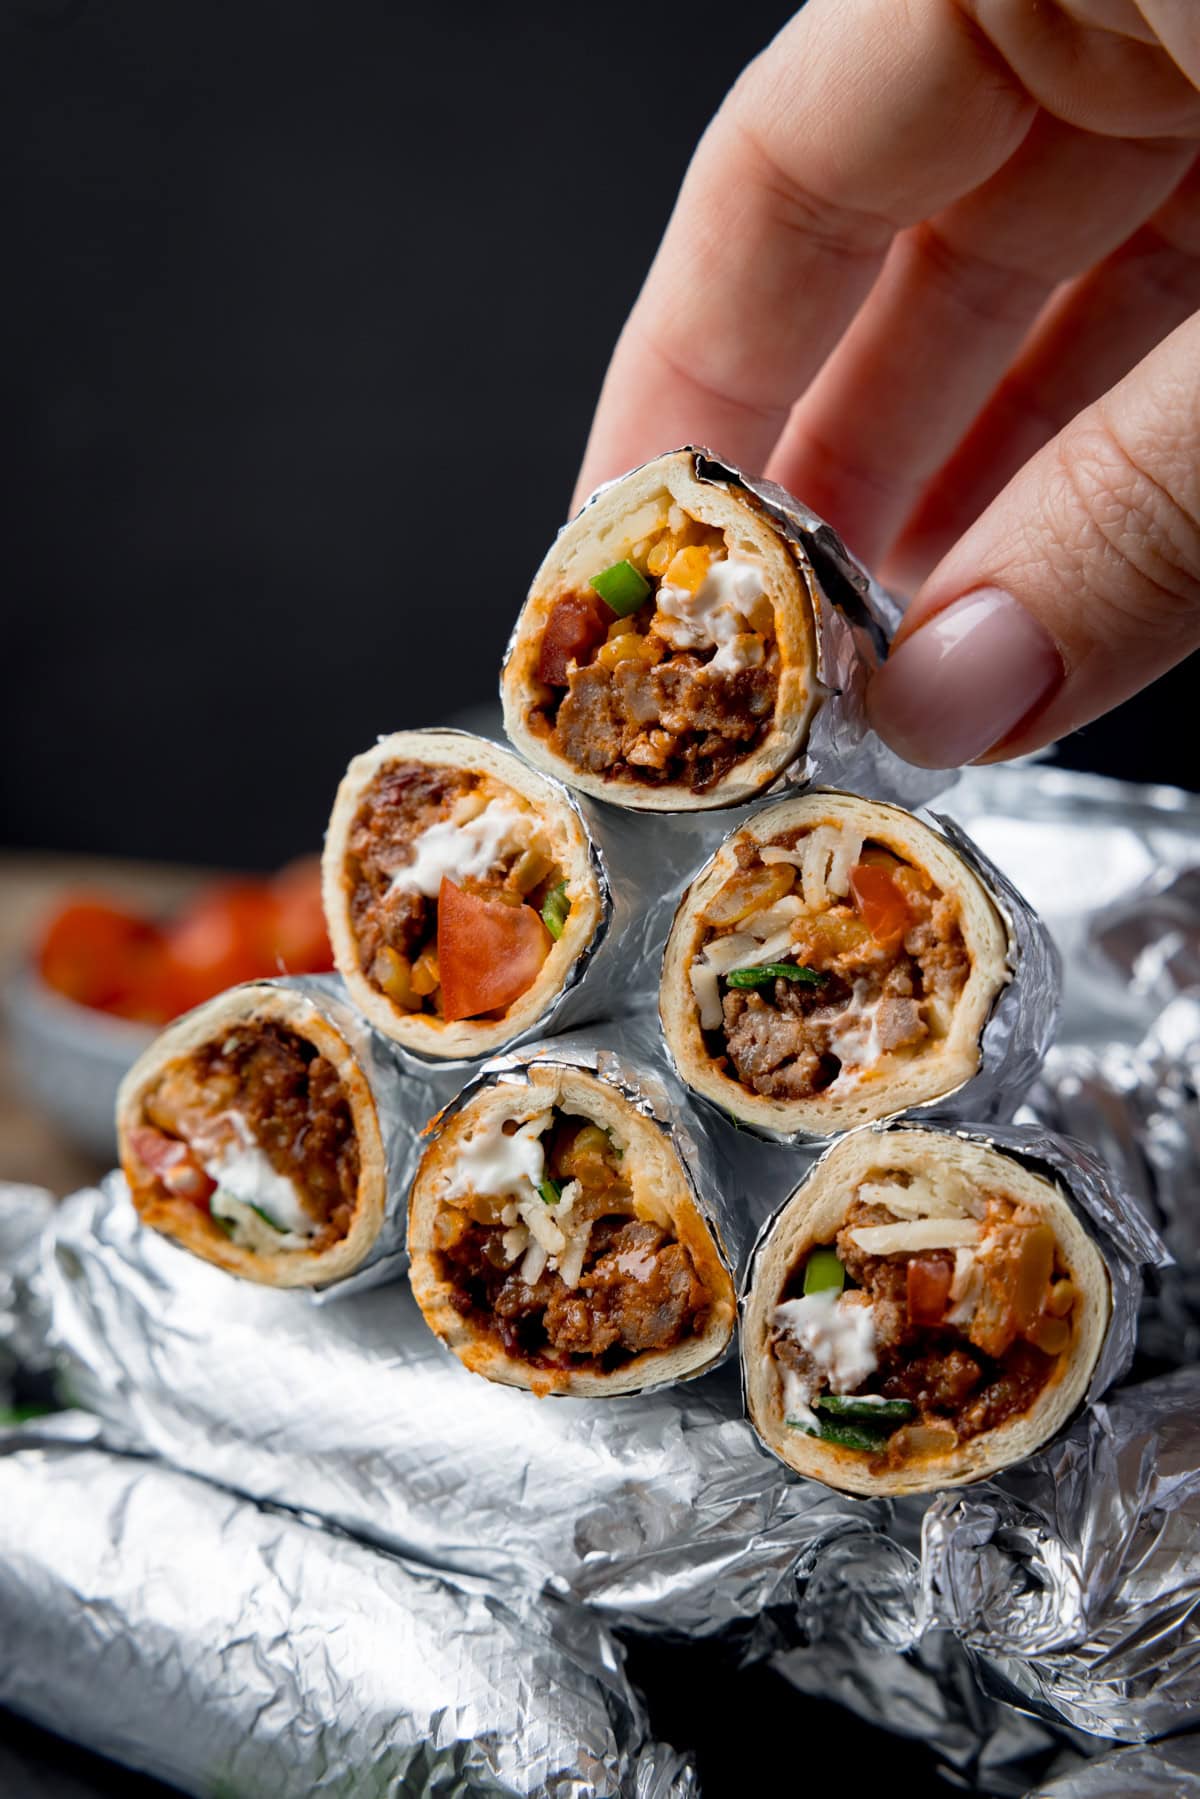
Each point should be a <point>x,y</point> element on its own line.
<point>869,1411</point>
<point>621,588</point>
<point>556,909</point>
<point>550,1190</point>
<point>824,1272</point>
<point>775,971</point>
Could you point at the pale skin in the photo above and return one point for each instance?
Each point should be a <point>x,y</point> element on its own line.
<point>934,267</point>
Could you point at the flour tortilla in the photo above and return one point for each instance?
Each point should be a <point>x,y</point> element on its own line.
<point>815,1213</point>
<point>556,818</point>
<point>883,1091</point>
<point>662,1193</point>
<point>186,1223</point>
<point>603,533</point>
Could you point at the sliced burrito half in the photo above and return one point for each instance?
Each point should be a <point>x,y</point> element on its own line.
<point>925,1310</point>
<point>460,889</point>
<point>666,655</point>
<point>556,1242</point>
<point>248,1132</point>
<point>833,964</point>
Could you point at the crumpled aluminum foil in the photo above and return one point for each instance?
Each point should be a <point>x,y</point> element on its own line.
<point>233,1650</point>
<point>1073,1581</point>
<point>855,619</point>
<point>1017,1032</point>
<point>24,1214</point>
<point>1168,1770</point>
<point>657,1509</point>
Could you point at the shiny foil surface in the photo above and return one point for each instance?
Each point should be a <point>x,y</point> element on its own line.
<point>242,1652</point>
<point>1168,1770</point>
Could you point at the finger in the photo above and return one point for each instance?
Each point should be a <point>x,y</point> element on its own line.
<point>1078,586</point>
<point>844,131</point>
<point>956,298</point>
<point>1090,336</point>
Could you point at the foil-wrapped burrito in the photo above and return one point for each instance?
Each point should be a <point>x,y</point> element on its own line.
<point>681,636</point>
<point>271,1133</point>
<point>463,890</point>
<point>840,961</point>
<point>931,1306</point>
<point>227,1649</point>
<point>1073,1581</point>
<point>567,1234</point>
<point>658,1508</point>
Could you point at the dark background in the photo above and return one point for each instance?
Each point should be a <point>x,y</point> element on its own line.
<point>304,314</point>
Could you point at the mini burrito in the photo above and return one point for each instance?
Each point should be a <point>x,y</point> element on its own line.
<point>924,1310</point>
<point>556,1242</point>
<point>666,655</point>
<point>833,964</point>
<point>249,1133</point>
<point>461,889</point>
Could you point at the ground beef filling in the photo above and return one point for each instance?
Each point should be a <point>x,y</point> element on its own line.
<point>289,1098</point>
<point>630,699</point>
<point>961,1380</point>
<point>638,1290</point>
<point>787,1040</point>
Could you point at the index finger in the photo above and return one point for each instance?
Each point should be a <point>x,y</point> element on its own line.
<point>856,122</point>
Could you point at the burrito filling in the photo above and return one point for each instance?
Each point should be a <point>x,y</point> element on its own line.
<point>456,897</point>
<point>940,1312</point>
<point>253,1131</point>
<point>826,959</point>
<point>538,1236</point>
<point>665,668</point>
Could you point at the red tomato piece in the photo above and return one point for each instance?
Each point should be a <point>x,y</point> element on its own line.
<point>929,1279</point>
<point>300,939</point>
<point>225,936</point>
<point>575,626</point>
<point>173,1163</point>
<point>91,952</point>
<point>489,953</point>
<point>881,903</point>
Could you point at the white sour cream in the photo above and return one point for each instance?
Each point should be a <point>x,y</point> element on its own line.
<point>497,1166</point>
<point>718,612</point>
<point>469,850</point>
<point>245,1179</point>
<point>838,1335</point>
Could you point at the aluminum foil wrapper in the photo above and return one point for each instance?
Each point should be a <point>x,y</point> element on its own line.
<point>24,1215</point>
<point>1162,1771</point>
<point>657,1509</point>
<point>1073,1581</point>
<point>233,1650</point>
<point>855,619</point>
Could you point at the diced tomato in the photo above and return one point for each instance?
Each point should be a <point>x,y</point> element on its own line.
<point>225,936</point>
<point>92,952</point>
<point>173,1163</point>
<point>881,903</point>
<point>577,623</point>
<point>489,953</point>
<point>929,1279</point>
<point>300,939</point>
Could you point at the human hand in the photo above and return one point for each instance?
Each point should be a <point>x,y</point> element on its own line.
<point>933,268</point>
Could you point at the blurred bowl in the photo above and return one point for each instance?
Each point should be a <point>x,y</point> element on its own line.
<point>70,1060</point>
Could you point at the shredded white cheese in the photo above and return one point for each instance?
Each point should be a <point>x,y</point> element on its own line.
<point>737,950</point>
<point>837,1333</point>
<point>830,852</point>
<point>499,1166</point>
<point>719,612</point>
<point>916,1234</point>
<point>463,848</point>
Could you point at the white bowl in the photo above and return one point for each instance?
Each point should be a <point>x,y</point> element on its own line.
<point>70,1059</point>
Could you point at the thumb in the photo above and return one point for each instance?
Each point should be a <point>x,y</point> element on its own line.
<point>1079,585</point>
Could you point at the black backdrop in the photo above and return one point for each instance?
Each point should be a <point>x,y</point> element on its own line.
<point>304,313</point>
<point>305,308</point>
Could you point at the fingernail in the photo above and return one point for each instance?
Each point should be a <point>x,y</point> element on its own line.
<point>964,681</point>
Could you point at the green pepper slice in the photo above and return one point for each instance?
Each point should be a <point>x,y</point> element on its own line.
<point>824,1272</point>
<point>550,1190</point>
<point>556,909</point>
<point>775,971</point>
<point>885,1411</point>
<point>621,588</point>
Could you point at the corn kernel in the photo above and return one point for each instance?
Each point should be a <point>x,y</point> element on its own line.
<point>425,976</point>
<point>393,973</point>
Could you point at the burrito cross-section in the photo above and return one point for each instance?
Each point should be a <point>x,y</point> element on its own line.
<point>833,964</point>
<point>249,1133</point>
<point>556,1242</point>
<point>926,1309</point>
<point>666,655</point>
<point>461,890</point>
